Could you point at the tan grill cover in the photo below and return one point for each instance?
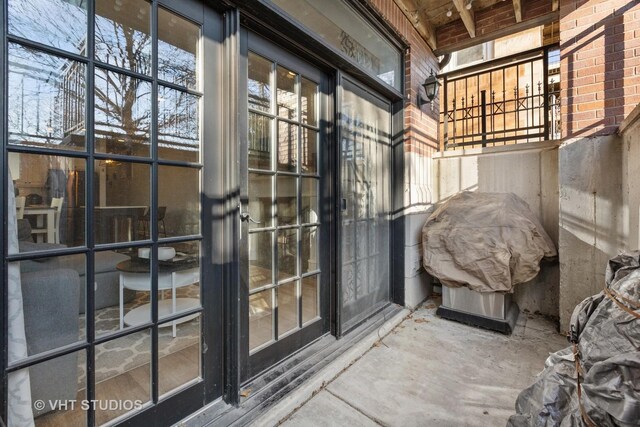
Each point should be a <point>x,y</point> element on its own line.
<point>489,242</point>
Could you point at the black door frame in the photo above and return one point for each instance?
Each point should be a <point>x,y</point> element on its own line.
<point>196,394</point>
<point>252,365</point>
<point>222,332</point>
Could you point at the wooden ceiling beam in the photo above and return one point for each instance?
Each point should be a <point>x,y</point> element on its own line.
<point>554,5</point>
<point>468,17</point>
<point>547,18</point>
<point>419,20</point>
<point>517,8</point>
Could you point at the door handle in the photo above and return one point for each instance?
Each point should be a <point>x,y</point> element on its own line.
<point>246,217</point>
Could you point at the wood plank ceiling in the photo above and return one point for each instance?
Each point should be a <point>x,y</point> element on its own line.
<point>427,16</point>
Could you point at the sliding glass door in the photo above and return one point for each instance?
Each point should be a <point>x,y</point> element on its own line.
<point>365,205</point>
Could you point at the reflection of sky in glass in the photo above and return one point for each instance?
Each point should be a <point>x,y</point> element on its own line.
<point>259,95</point>
<point>57,23</point>
<point>122,105</point>
<point>178,119</point>
<point>124,44</point>
<point>176,65</point>
<point>178,41</point>
<point>46,97</point>
<point>259,87</point>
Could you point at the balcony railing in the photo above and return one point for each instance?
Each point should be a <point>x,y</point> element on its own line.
<point>510,100</point>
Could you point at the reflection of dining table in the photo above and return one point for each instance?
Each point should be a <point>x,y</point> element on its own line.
<point>108,219</point>
<point>40,212</point>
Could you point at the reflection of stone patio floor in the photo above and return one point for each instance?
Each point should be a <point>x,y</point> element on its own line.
<point>126,353</point>
<point>435,372</point>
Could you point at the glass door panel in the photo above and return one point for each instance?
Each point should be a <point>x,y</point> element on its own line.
<point>281,219</point>
<point>120,183</point>
<point>365,167</point>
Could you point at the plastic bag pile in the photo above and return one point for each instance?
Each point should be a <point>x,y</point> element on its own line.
<point>487,242</point>
<point>609,357</point>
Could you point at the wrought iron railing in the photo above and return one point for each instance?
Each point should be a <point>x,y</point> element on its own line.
<point>510,100</point>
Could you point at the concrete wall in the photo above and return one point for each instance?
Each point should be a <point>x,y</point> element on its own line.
<point>630,133</point>
<point>591,216</point>
<point>531,172</point>
<point>599,49</point>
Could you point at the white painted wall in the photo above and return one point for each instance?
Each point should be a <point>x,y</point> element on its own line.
<point>585,192</point>
<point>418,198</point>
<point>531,172</point>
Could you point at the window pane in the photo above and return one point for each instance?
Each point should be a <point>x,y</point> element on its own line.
<point>287,146</point>
<point>287,307</point>
<point>310,212</point>
<point>53,303</point>
<point>46,100</point>
<point>129,269</point>
<point>261,200</point>
<point>287,98</point>
<point>41,21</point>
<point>123,29</point>
<point>287,253</point>
<point>310,298</point>
<point>182,273</point>
<point>53,384</point>
<point>260,318</point>
<point>123,374</point>
<point>259,83</point>
<point>179,356</point>
<point>178,125</point>
<point>179,201</point>
<point>260,259</point>
<point>260,152</point>
<point>309,93</point>
<point>50,200</point>
<point>309,147</point>
<point>121,201</point>
<point>287,197</point>
<point>177,49</point>
<point>309,251</point>
<point>122,114</point>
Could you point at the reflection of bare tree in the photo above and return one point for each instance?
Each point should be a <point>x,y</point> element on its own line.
<point>51,91</point>
<point>122,103</point>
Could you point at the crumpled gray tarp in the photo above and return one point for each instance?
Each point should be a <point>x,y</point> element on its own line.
<point>609,345</point>
<point>486,241</point>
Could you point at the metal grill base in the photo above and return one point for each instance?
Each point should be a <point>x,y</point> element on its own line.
<point>493,311</point>
<point>505,326</point>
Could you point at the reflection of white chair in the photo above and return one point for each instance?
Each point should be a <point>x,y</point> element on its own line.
<point>20,202</point>
<point>56,203</point>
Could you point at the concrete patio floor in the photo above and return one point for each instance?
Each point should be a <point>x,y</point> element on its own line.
<point>434,372</point>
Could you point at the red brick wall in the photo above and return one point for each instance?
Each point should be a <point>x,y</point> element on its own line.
<point>489,20</point>
<point>600,64</point>
<point>421,126</point>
